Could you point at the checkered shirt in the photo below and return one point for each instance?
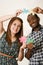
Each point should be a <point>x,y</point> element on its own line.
<point>37,52</point>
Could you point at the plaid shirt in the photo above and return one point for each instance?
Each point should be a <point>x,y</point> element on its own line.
<point>37,53</point>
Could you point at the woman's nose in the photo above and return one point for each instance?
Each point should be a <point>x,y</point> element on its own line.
<point>16,27</point>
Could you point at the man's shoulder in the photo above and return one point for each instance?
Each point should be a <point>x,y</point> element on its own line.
<point>29,35</point>
<point>41,26</point>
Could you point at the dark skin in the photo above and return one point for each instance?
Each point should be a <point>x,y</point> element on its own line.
<point>35,27</point>
<point>37,10</point>
<point>34,24</point>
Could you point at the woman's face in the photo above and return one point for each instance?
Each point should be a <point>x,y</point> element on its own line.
<point>15,27</point>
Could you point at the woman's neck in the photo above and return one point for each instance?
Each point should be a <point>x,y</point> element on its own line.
<point>13,38</point>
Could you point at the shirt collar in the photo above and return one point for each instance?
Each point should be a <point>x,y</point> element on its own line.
<point>39,27</point>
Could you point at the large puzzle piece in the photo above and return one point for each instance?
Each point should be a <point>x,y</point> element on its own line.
<point>29,40</point>
<point>25,10</point>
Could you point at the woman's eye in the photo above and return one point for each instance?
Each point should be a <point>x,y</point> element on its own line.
<point>14,24</point>
<point>19,26</point>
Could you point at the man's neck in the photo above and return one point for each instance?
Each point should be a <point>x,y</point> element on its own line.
<point>37,28</point>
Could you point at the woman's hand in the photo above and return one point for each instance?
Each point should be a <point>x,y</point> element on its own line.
<point>18,12</point>
<point>23,47</point>
<point>21,52</point>
<point>37,10</point>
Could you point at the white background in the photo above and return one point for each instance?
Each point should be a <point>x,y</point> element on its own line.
<point>10,6</point>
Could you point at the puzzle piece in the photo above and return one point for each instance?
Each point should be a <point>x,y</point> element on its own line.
<point>25,10</point>
<point>29,40</point>
<point>22,39</point>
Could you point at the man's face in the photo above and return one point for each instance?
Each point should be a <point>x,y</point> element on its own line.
<point>34,23</point>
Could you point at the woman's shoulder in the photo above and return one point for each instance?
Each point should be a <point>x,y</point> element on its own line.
<point>4,35</point>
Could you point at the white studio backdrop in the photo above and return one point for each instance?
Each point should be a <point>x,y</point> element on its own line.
<point>10,6</point>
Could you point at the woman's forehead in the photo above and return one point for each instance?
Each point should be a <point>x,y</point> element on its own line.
<point>17,22</point>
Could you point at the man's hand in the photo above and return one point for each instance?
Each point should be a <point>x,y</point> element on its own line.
<point>38,10</point>
<point>30,46</point>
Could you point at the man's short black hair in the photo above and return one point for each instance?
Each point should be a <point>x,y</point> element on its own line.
<point>31,16</point>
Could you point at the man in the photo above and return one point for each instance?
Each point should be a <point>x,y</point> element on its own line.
<point>36,49</point>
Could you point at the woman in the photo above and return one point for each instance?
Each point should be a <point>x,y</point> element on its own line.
<point>5,18</point>
<point>9,42</point>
